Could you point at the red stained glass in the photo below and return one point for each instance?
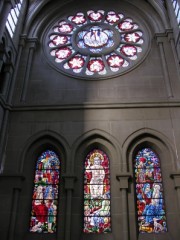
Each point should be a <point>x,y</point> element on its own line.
<point>95,65</point>
<point>112,17</point>
<point>76,62</point>
<point>65,28</point>
<point>132,37</point>
<point>128,50</point>
<point>63,53</point>
<point>45,194</point>
<point>78,19</point>
<point>95,16</point>
<point>59,40</point>
<point>125,25</point>
<point>115,61</point>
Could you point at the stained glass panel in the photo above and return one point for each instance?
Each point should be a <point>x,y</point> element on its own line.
<point>45,194</point>
<point>97,193</point>
<point>149,192</point>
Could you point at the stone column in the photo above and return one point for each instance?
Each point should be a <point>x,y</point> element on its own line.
<point>7,78</point>
<point>21,46</point>
<point>171,40</point>
<point>6,8</point>
<point>123,185</point>
<point>69,187</point>
<point>160,38</point>
<point>176,177</point>
<point>32,46</point>
<point>11,183</point>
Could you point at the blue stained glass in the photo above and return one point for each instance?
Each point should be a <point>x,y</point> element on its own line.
<point>149,192</point>
<point>45,194</point>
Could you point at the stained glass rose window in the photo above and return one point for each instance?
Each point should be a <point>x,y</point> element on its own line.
<point>96,44</point>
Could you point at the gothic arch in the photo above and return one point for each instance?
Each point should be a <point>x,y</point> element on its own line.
<point>147,136</point>
<point>40,141</point>
<point>156,18</point>
<point>95,138</point>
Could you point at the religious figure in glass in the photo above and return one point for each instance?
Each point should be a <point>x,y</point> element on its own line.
<point>97,193</point>
<point>149,192</point>
<point>45,194</point>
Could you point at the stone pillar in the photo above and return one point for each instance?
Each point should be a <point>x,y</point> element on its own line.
<point>32,46</point>
<point>176,177</point>
<point>11,186</point>
<point>69,187</point>
<point>171,40</point>
<point>6,8</point>
<point>7,78</point>
<point>21,46</point>
<point>160,38</point>
<point>123,185</point>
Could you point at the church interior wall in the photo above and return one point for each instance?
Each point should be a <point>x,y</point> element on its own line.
<point>72,116</point>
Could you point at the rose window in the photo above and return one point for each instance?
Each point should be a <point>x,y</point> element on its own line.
<point>96,44</point>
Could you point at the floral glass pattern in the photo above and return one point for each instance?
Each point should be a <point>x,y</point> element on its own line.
<point>149,192</point>
<point>45,194</point>
<point>95,44</point>
<point>97,193</point>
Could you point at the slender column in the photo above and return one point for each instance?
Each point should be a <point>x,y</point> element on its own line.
<point>176,177</point>
<point>3,17</point>
<point>123,182</point>
<point>69,187</point>
<point>171,40</point>
<point>15,199</point>
<point>14,184</point>
<point>159,39</point>
<point>21,46</point>
<point>32,46</point>
<point>7,78</point>
<point>3,139</point>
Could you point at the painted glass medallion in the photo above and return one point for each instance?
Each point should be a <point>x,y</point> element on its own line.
<point>149,192</point>
<point>45,194</point>
<point>96,44</point>
<point>97,217</point>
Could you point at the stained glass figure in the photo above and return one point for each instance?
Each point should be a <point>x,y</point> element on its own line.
<point>97,193</point>
<point>149,192</point>
<point>45,194</point>
<point>95,43</point>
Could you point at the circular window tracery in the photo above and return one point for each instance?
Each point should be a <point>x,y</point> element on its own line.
<point>96,44</point>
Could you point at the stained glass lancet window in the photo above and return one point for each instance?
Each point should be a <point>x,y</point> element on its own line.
<point>149,192</point>
<point>97,217</point>
<point>45,193</point>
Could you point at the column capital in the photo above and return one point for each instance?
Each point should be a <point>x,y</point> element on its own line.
<point>123,179</point>
<point>32,42</point>
<point>69,181</point>
<point>176,177</point>
<point>22,40</point>
<point>160,37</point>
<point>9,67</point>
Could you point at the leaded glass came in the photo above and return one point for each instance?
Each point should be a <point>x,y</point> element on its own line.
<point>97,217</point>
<point>149,192</point>
<point>45,194</point>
